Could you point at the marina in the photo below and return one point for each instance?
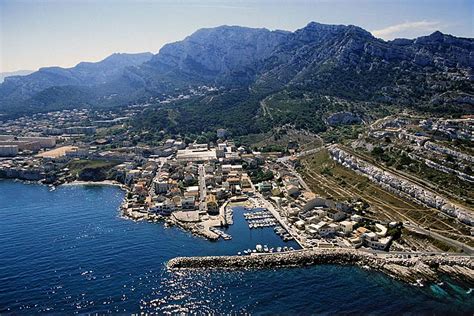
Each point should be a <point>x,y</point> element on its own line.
<point>261,218</point>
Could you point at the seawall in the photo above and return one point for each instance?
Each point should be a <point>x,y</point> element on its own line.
<point>411,269</point>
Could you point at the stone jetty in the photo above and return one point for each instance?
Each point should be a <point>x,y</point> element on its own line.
<point>407,267</point>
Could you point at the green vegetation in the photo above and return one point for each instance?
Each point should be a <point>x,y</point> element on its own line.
<point>91,170</point>
<point>259,175</point>
<point>243,112</point>
<point>395,232</point>
<point>394,157</point>
<point>234,110</point>
<point>284,138</point>
<point>342,134</point>
<point>272,148</point>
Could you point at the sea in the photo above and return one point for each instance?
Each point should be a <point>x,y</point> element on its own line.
<point>68,251</point>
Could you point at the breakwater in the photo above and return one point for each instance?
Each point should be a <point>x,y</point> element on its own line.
<point>408,268</point>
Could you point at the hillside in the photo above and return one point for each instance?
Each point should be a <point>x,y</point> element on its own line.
<point>41,88</point>
<point>267,78</point>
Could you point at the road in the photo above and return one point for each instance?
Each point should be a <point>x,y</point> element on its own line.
<point>467,249</point>
<point>202,188</point>
<point>297,175</point>
<point>269,206</point>
<point>300,154</point>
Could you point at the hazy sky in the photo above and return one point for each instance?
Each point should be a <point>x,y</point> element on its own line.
<point>40,33</point>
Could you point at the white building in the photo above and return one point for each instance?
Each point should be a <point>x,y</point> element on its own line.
<point>8,150</point>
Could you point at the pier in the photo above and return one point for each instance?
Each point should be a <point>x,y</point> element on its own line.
<point>274,212</point>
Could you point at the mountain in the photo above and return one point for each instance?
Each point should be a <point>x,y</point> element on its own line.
<point>84,74</point>
<point>268,77</point>
<point>3,75</point>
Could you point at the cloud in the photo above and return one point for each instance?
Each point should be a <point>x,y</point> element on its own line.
<point>413,29</point>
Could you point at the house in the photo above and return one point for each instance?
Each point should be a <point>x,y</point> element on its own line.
<point>192,191</point>
<point>325,229</point>
<point>212,206</point>
<point>346,227</point>
<point>264,187</point>
<point>164,208</point>
<point>161,186</point>
<point>372,240</point>
<point>188,203</point>
<point>335,215</point>
<point>312,229</point>
<point>300,224</point>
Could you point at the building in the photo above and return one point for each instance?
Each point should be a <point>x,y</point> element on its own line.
<point>212,206</point>
<point>324,229</point>
<point>161,186</point>
<point>188,203</point>
<point>196,154</point>
<point>8,150</point>
<point>164,208</point>
<point>373,241</point>
<point>87,130</point>
<point>264,187</point>
<point>28,143</point>
<point>346,227</point>
<point>335,214</point>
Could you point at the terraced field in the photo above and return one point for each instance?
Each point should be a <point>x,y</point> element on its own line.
<point>330,179</point>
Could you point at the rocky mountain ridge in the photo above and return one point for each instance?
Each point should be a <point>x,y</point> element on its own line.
<point>330,60</point>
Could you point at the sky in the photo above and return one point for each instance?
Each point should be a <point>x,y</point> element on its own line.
<point>40,33</point>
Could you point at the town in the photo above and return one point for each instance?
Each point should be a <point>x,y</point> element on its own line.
<point>197,185</point>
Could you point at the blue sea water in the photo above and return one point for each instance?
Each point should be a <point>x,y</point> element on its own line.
<point>68,251</point>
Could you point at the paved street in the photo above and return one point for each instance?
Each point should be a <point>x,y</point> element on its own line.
<point>202,188</point>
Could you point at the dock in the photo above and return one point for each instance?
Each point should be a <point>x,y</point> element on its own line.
<point>274,212</point>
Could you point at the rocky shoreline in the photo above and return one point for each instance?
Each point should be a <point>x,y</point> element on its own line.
<point>412,269</point>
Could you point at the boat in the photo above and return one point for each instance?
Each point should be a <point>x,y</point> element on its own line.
<point>259,248</point>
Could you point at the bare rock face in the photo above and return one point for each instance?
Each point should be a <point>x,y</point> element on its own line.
<point>334,60</point>
<point>223,54</point>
